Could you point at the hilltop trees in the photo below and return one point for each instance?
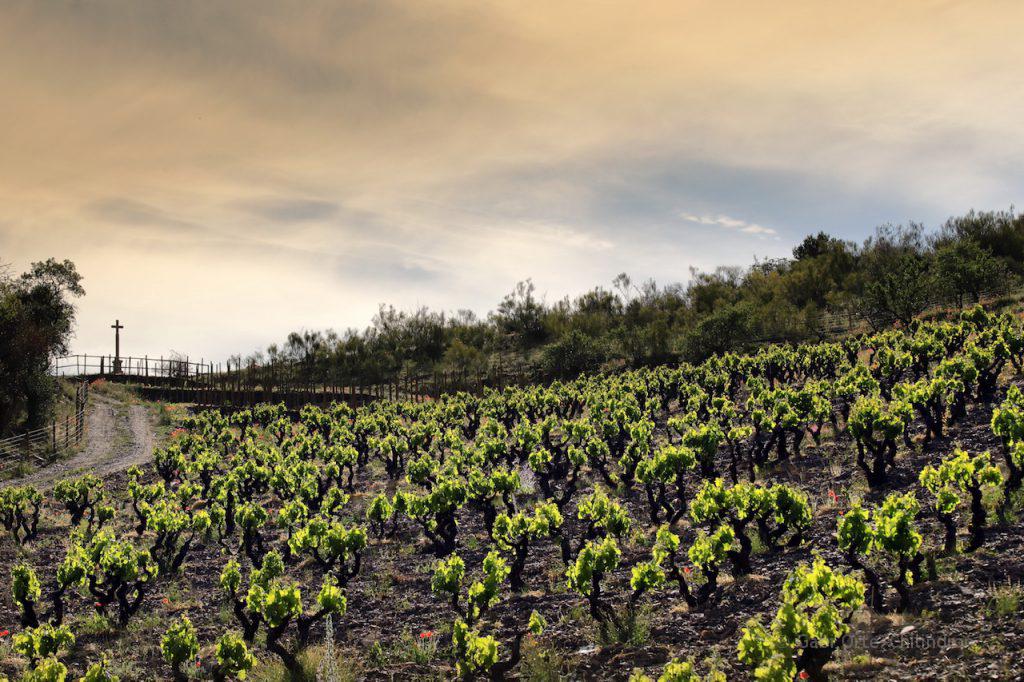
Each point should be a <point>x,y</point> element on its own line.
<point>893,276</point>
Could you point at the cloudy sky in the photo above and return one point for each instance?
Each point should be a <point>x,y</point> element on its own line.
<point>225,172</point>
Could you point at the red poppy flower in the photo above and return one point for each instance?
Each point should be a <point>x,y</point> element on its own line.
<point>426,634</point>
<point>687,570</point>
<point>99,605</point>
<point>166,600</point>
<point>803,675</point>
<point>4,633</point>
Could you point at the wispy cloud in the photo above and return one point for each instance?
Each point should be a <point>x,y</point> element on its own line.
<point>731,223</point>
<point>283,210</point>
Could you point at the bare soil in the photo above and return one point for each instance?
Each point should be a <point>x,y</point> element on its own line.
<point>955,629</point>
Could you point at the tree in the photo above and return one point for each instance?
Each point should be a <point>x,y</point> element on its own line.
<point>725,329</point>
<point>964,269</point>
<point>521,316</point>
<point>901,292</point>
<point>37,318</point>
<point>1000,233</point>
<point>572,355</point>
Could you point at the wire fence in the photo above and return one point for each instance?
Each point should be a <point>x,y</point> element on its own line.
<point>42,444</point>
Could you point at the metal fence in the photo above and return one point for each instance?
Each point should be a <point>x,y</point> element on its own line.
<point>61,434</point>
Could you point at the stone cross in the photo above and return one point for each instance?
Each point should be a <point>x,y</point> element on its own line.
<point>117,327</point>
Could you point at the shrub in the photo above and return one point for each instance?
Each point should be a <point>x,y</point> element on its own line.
<point>43,642</point>
<point>890,532</point>
<point>179,645</point>
<point>961,474</point>
<point>26,591</point>
<point>19,512</point>
<point>876,425</point>
<point>817,603</point>
<point>233,658</point>
<point>572,355</point>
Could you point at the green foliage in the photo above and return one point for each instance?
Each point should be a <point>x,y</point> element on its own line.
<point>233,657</point>
<point>19,512</point>
<point>1008,424</point>
<point>474,653</point>
<point>37,314</point>
<point>100,672</point>
<point>82,495</point>
<point>679,671</point>
<point>46,670</point>
<point>592,563</point>
<point>25,591</point>
<point>378,513</point>
<point>817,603</point>
<point>514,535</point>
<point>179,644</point>
<point>43,642</point>
<point>876,425</point>
<point>900,291</point>
<point>957,476</point>
<point>449,580</point>
<point>334,546</point>
<point>890,532</point>
<point>572,355</point>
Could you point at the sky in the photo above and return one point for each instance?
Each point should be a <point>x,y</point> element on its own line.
<point>223,173</point>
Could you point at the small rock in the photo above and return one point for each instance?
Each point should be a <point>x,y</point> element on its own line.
<point>589,649</point>
<point>907,629</point>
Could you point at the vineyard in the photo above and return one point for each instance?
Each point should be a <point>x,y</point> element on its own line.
<point>845,510</point>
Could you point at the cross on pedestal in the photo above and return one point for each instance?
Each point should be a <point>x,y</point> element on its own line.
<point>117,327</point>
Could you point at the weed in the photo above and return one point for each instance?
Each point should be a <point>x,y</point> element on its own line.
<point>95,624</point>
<point>634,628</point>
<point>1004,599</point>
<point>541,663</point>
<point>349,668</point>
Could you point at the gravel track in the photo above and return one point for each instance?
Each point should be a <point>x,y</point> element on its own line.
<point>117,436</point>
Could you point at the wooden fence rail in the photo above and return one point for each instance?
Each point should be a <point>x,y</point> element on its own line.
<point>59,435</point>
<point>144,367</point>
<point>285,377</point>
<point>236,383</point>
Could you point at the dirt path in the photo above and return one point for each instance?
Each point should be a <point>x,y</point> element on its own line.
<point>117,436</point>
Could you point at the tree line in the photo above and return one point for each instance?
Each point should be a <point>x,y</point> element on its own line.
<point>892,276</point>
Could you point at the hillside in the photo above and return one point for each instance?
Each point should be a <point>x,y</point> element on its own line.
<point>588,529</point>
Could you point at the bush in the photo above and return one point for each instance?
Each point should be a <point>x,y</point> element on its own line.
<point>180,645</point>
<point>572,355</point>
<point>725,329</point>
<point>817,604</point>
